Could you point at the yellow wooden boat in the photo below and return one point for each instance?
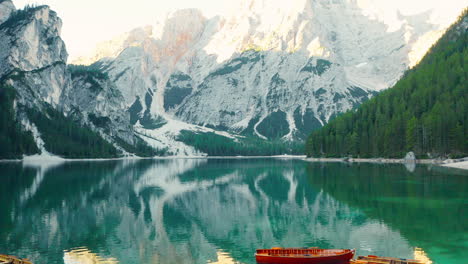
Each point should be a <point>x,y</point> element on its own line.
<point>371,259</point>
<point>7,259</point>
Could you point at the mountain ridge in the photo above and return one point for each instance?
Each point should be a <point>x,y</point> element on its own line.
<point>424,112</point>
<point>238,71</point>
<point>33,63</point>
<point>165,90</point>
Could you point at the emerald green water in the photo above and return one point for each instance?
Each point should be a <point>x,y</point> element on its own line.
<point>220,211</point>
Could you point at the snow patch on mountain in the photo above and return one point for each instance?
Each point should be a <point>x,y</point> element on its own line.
<point>166,137</point>
<point>267,69</point>
<point>28,126</point>
<point>266,66</point>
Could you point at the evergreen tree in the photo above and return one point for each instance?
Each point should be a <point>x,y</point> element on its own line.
<point>13,141</point>
<point>217,145</point>
<point>68,138</point>
<point>424,112</point>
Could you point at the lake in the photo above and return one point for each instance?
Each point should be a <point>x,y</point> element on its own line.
<point>221,210</point>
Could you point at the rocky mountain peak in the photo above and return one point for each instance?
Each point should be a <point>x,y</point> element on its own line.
<point>6,8</point>
<point>31,48</point>
<point>269,66</point>
<point>33,35</point>
<point>267,69</point>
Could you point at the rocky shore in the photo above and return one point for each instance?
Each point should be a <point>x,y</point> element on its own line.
<point>409,159</point>
<point>458,165</point>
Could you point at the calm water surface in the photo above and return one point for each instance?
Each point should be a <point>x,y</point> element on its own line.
<point>220,211</point>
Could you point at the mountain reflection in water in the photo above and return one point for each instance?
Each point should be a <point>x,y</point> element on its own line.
<point>220,211</point>
<point>84,256</point>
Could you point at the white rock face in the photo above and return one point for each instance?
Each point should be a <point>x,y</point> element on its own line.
<point>269,69</point>
<point>31,49</point>
<point>410,156</point>
<point>6,8</point>
<point>97,102</point>
<point>33,61</point>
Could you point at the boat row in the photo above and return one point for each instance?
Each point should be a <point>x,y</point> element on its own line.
<point>314,255</point>
<point>278,255</point>
<point>383,260</point>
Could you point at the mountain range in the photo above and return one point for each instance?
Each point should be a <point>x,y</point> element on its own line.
<point>266,75</point>
<point>425,112</point>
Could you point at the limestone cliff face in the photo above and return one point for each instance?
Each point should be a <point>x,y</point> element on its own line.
<point>269,69</point>
<point>93,99</point>
<point>33,60</point>
<point>33,56</point>
<point>6,8</point>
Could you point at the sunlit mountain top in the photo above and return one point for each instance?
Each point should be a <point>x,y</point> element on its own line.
<point>104,23</point>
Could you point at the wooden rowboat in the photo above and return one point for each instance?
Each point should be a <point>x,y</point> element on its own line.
<point>371,259</point>
<point>6,259</point>
<point>303,256</point>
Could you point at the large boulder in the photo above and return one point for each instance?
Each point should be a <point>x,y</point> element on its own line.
<point>410,157</point>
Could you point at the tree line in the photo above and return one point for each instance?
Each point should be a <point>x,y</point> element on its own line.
<point>13,141</point>
<point>425,112</point>
<point>68,138</point>
<point>217,145</point>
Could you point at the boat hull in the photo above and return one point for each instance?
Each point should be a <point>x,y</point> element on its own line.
<point>384,260</point>
<point>298,259</point>
<point>13,260</point>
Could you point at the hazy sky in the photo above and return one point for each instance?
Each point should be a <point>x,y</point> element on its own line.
<point>88,22</point>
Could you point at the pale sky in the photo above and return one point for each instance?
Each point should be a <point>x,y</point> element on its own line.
<point>88,22</point>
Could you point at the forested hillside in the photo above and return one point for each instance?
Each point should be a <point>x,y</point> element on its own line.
<point>13,141</point>
<point>62,135</point>
<point>425,112</point>
<point>217,145</point>
<point>68,138</point>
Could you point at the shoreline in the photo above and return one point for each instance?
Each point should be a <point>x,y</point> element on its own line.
<point>448,163</point>
<point>461,164</point>
<point>377,160</point>
<point>40,158</point>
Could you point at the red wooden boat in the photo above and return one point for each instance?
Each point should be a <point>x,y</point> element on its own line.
<point>304,256</point>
